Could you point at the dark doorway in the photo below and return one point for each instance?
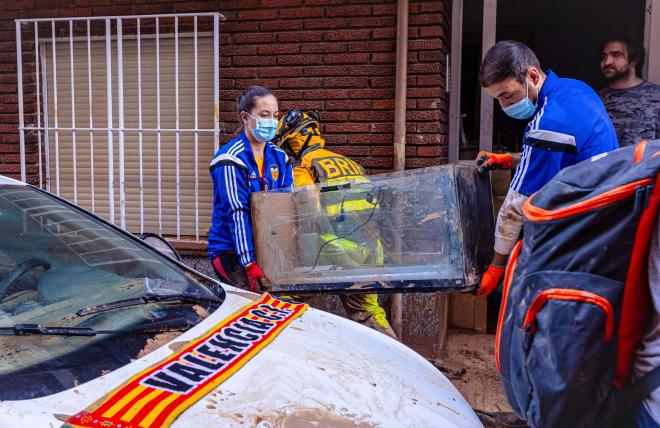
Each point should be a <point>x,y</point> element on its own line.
<point>564,34</point>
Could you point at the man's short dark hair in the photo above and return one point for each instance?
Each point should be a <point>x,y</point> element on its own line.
<point>507,59</point>
<point>635,49</point>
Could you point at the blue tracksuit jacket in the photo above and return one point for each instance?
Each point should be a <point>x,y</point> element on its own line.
<point>569,126</point>
<point>235,176</point>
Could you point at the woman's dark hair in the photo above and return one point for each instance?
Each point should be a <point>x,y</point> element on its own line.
<point>247,100</point>
<point>507,59</point>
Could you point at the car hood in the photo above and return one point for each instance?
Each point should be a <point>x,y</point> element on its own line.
<point>322,370</point>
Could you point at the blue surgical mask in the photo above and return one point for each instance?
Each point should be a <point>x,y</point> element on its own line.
<point>265,130</point>
<point>523,109</point>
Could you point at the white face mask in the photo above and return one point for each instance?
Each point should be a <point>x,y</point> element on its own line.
<point>265,129</point>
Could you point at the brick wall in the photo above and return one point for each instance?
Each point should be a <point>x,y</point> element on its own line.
<point>337,56</point>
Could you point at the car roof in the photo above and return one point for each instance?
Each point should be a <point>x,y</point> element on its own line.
<point>7,180</point>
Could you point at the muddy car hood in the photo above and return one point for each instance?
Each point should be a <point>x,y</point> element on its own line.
<point>322,370</point>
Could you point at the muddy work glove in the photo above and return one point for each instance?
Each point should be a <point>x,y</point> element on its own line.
<point>255,276</point>
<point>487,161</point>
<point>490,279</point>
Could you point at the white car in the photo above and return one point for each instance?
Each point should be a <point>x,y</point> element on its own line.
<point>99,329</point>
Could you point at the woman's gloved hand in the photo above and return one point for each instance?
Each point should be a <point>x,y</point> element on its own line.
<point>254,275</point>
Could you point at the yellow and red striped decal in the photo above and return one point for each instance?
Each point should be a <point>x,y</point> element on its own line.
<point>157,395</point>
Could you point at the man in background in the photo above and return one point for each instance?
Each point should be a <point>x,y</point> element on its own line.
<point>632,103</point>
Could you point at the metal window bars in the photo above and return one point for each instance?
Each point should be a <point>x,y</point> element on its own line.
<point>84,33</point>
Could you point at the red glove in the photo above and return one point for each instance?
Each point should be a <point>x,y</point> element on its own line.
<point>487,161</point>
<point>490,279</point>
<point>254,275</point>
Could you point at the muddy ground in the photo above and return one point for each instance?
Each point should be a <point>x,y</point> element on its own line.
<point>469,362</point>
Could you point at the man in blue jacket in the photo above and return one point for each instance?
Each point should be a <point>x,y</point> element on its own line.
<point>568,125</point>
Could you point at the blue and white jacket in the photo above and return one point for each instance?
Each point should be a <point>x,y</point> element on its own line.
<point>569,126</point>
<point>235,176</point>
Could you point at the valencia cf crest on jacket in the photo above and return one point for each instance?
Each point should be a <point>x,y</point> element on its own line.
<point>274,172</point>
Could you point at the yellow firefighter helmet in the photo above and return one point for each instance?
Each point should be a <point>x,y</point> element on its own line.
<point>299,130</point>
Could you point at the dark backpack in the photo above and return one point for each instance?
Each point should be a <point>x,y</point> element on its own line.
<point>576,294</point>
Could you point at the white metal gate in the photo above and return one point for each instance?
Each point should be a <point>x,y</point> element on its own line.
<point>68,147</point>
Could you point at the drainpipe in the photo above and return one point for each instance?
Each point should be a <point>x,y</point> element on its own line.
<point>400,135</point>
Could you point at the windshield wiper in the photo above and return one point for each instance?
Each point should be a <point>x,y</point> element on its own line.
<point>146,299</point>
<point>175,324</point>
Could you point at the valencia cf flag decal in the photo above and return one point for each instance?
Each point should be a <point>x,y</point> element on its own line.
<point>158,395</point>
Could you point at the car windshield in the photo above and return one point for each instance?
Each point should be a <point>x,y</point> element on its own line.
<point>56,259</point>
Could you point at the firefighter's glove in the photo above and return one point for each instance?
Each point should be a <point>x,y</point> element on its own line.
<point>487,161</point>
<point>490,279</point>
<point>254,275</point>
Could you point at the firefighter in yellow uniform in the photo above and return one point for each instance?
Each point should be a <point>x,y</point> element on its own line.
<point>299,136</point>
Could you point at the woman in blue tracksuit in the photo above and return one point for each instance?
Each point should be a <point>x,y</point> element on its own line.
<point>248,163</point>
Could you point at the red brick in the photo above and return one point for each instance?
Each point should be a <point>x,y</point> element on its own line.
<point>424,92</point>
<point>237,26</point>
<point>346,35</point>
<point>424,44</point>
<point>258,14</point>
<point>280,71</point>
<point>370,139</point>
<point>324,2</point>
<point>371,47</point>
<point>434,31</point>
<point>253,38</point>
<point>278,49</point>
<point>301,12</point>
<point>431,56</point>
<point>384,33</point>
<point>303,59</point>
<point>322,48</point>
<point>345,82</point>
<point>387,150</point>
<point>430,81</point>
<point>373,162</point>
<point>230,72</point>
<point>373,21</point>
<point>335,116</point>
<point>299,36</point>
<point>426,19</point>
<point>302,105</point>
<point>353,150</point>
<point>382,82</point>
<point>372,70</point>
<point>347,104</point>
<point>235,50</point>
<point>327,70</point>
<point>432,6</point>
<point>362,10</point>
<point>385,9</point>
<point>383,104</point>
<point>332,139</point>
<point>347,127</point>
<point>372,93</point>
<point>300,83</point>
<point>328,94</point>
<point>254,60</point>
<point>282,3</point>
<point>353,58</point>
<point>382,58</point>
<point>380,116</point>
<point>325,23</point>
<point>381,127</point>
<point>424,162</point>
<point>280,25</point>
